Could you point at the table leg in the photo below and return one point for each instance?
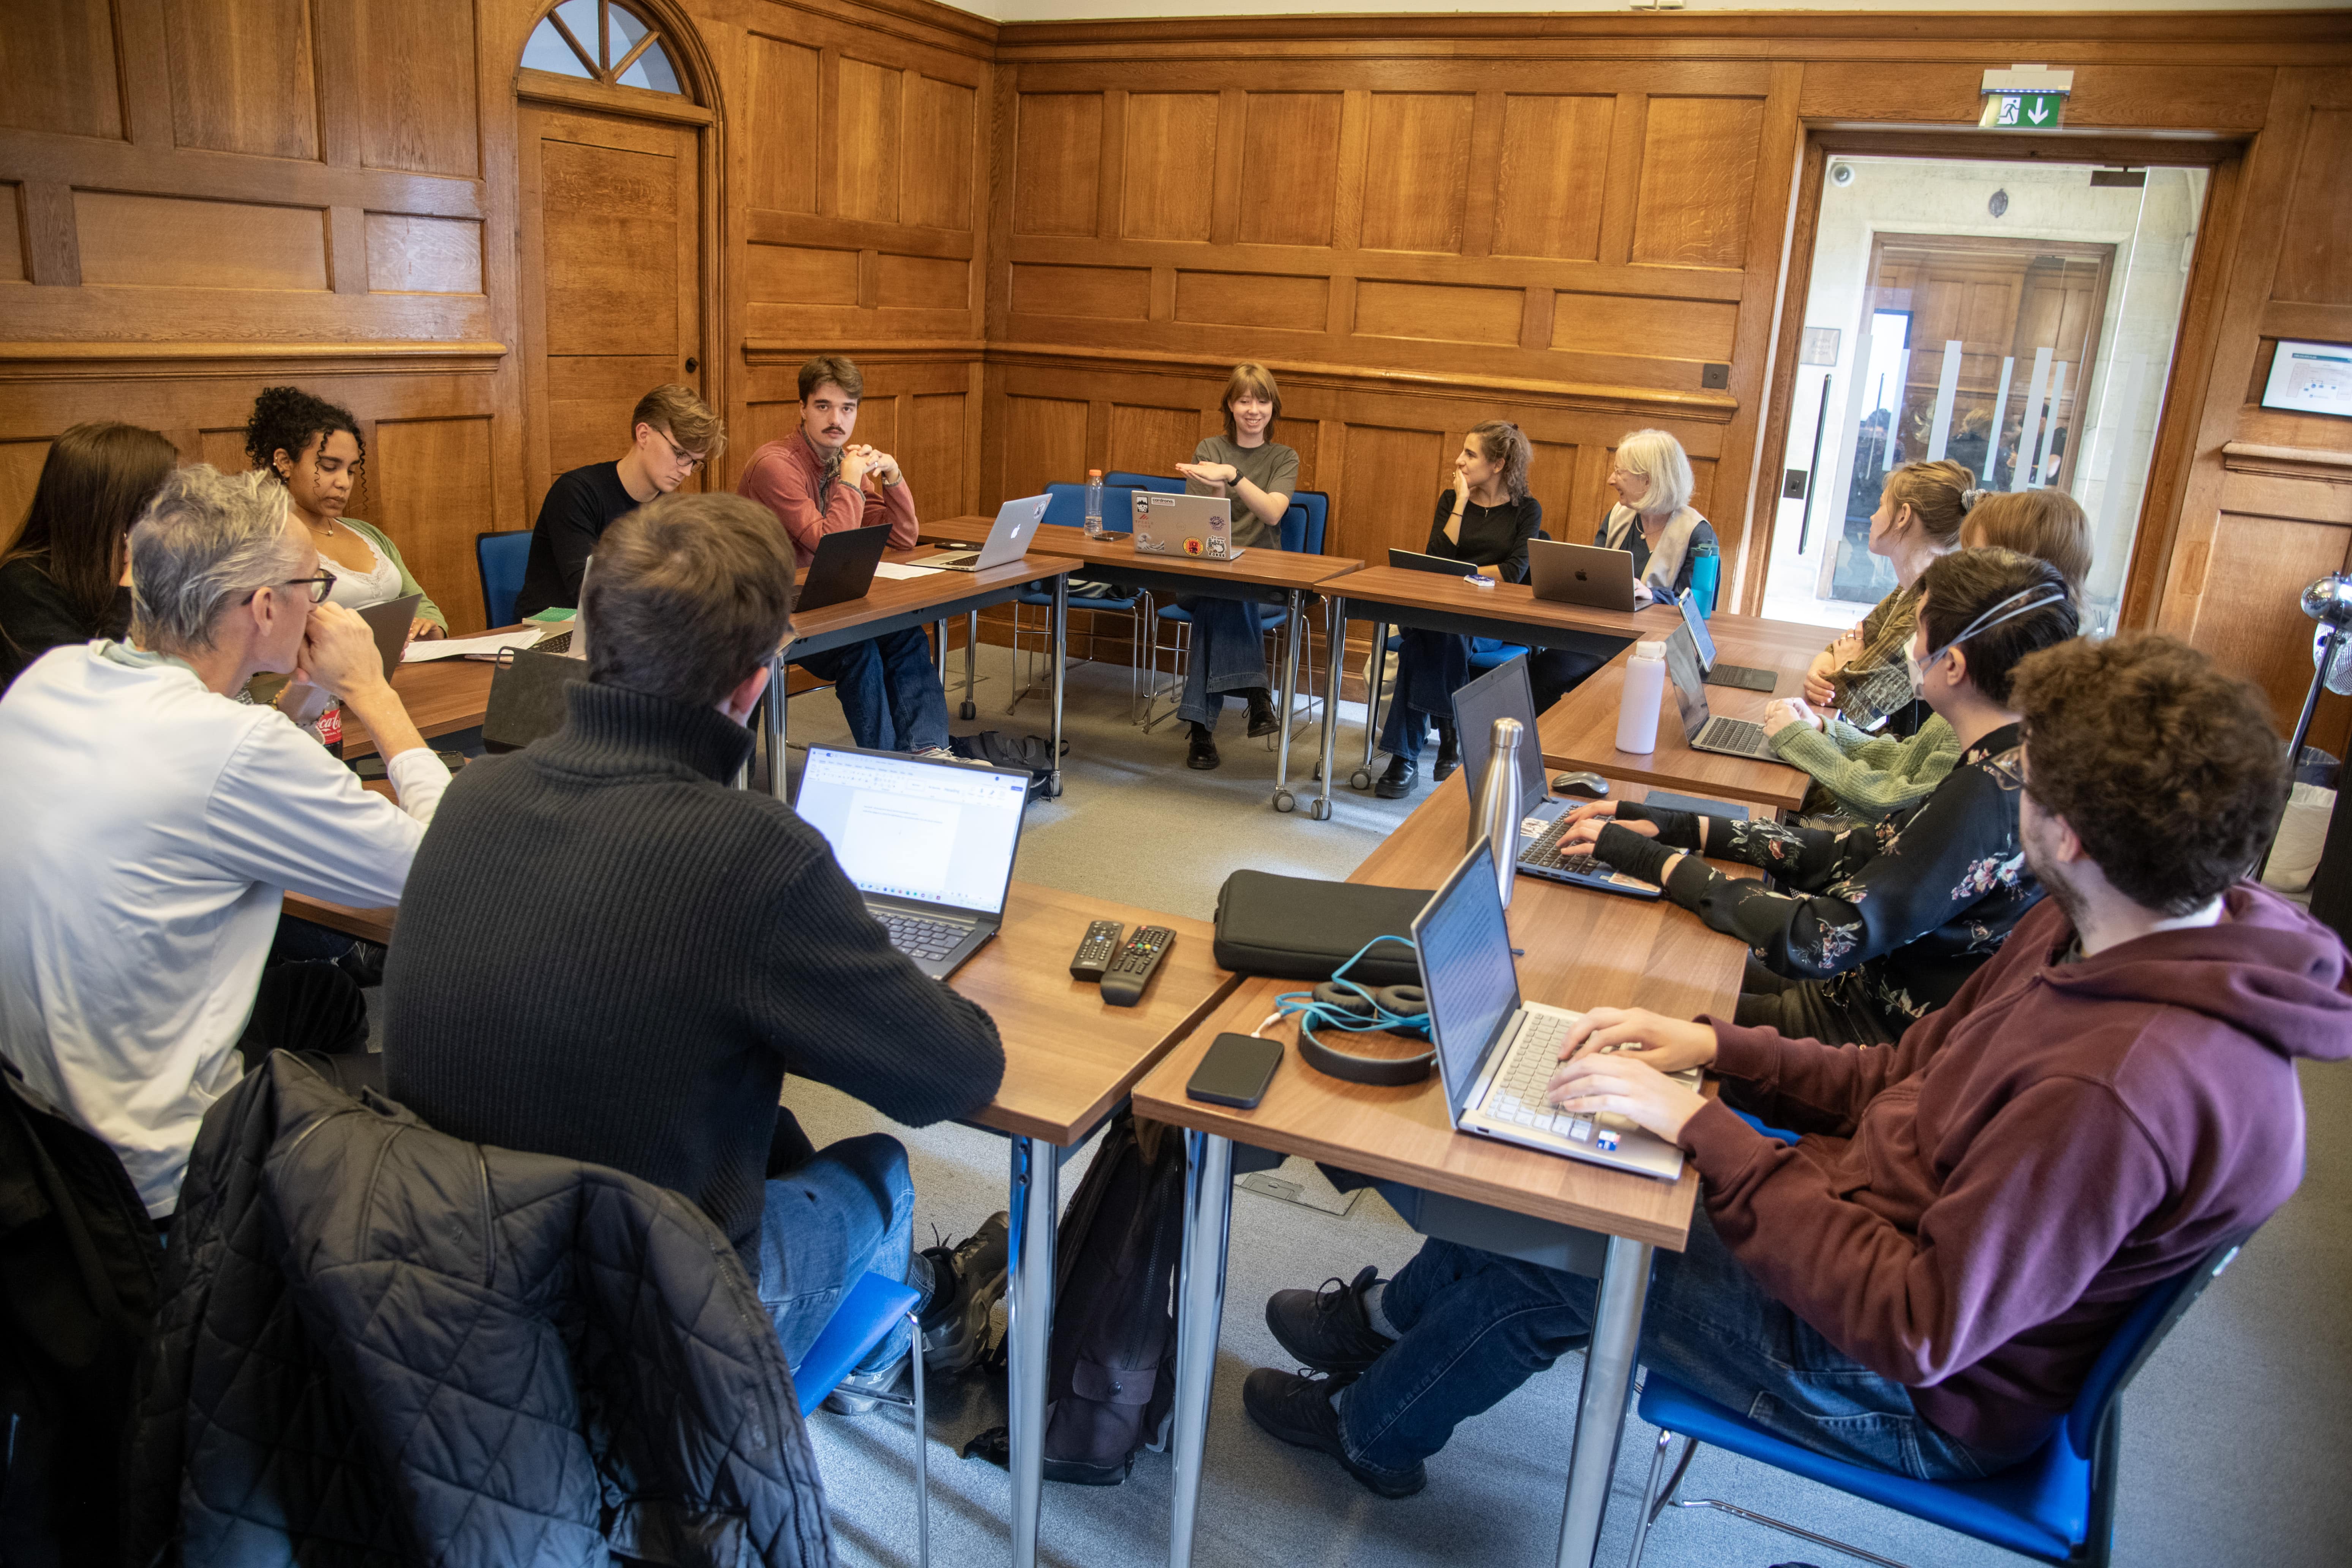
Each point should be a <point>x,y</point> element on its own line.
<point>1362,777</point>
<point>970,662</point>
<point>1282,799</point>
<point>1336,629</point>
<point>777,784</point>
<point>1600,1407</point>
<point>940,651</point>
<point>1061,662</point>
<point>1028,1334</point>
<point>1200,1312</point>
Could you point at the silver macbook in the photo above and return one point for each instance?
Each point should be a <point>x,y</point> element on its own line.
<point>1008,538</point>
<point>1580,575</point>
<point>1741,677</point>
<point>1703,730</point>
<point>1200,526</point>
<point>929,845</point>
<point>1495,1053</point>
<point>1503,693</point>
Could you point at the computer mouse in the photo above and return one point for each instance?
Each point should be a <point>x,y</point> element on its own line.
<point>1591,786</point>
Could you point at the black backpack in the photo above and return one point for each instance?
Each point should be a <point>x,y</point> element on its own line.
<point>1111,1386</point>
<point>1000,750</point>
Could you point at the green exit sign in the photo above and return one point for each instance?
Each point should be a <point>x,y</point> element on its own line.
<point>2025,111</point>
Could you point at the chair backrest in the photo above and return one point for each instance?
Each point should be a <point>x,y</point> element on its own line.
<point>500,558</point>
<point>2135,1339</point>
<point>1066,506</point>
<point>1316,508</point>
<point>1167,485</point>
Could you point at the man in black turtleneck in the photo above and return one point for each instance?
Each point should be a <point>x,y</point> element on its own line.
<point>607,953</point>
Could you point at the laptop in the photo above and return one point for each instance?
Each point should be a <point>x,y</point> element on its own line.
<point>1580,575</point>
<point>1008,538</point>
<point>1200,526</point>
<point>570,638</point>
<point>1503,693</point>
<point>1415,561</point>
<point>1495,1051</point>
<point>390,622</point>
<point>1705,731</point>
<point>928,843</point>
<point>842,566</point>
<point>1745,678</point>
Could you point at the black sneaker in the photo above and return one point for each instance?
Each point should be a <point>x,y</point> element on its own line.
<point>1449,753</point>
<point>1298,1410</point>
<point>1398,781</point>
<point>971,1281</point>
<point>1263,720</point>
<point>1203,754</point>
<point>1328,1329</point>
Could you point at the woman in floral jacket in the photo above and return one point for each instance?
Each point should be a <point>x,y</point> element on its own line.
<point>1879,923</point>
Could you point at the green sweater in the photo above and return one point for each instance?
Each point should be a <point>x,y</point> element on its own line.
<point>1871,775</point>
<point>425,607</point>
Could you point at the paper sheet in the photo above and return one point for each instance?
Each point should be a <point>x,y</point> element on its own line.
<point>488,644</point>
<point>900,569</point>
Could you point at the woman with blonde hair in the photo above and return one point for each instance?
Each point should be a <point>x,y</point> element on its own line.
<point>1653,522</point>
<point>1484,522</point>
<point>1862,673</point>
<point>1872,776</point>
<point>1258,475</point>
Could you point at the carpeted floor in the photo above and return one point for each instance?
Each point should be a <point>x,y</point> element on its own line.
<point>2237,1435</point>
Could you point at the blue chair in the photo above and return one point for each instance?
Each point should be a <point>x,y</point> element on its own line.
<point>500,558</point>
<point>1163,484</point>
<point>2057,1506</point>
<point>1066,506</point>
<point>873,1306</point>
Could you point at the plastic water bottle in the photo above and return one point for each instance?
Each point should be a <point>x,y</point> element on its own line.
<point>1707,573</point>
<point>1637,708</point>
<point>1497,818</point>
<point>1094,503</point>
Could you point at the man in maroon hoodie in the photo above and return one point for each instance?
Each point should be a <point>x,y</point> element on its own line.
<point>1922,1281</point>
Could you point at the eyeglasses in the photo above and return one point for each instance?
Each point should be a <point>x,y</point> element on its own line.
<point>319,586</point>
<point>678,454</point>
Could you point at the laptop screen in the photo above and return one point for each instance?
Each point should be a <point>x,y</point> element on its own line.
<point>1466,968</point>
<point>1689,681</point>
<point>1501,693</point>
<point>934,832</point>
<point>1701,638</point>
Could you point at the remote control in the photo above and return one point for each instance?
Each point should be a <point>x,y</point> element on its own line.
<point>1130,972</point>
<point>1095,952</point>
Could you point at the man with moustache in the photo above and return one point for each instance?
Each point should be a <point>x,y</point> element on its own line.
<point>817,483</point>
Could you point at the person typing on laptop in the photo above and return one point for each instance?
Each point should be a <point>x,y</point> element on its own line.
<point>607,954</point>
<point>154,823</point>
<point>816,482</point>
<point>1920,1280</point>
<point>1884,922</point>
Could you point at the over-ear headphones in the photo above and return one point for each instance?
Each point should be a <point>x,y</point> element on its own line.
<point>1350,1006</point>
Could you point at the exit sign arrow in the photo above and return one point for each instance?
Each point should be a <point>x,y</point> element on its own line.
<point>2026,98</point>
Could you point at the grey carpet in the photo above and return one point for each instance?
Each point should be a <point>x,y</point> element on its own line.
<point>2237,1435</point>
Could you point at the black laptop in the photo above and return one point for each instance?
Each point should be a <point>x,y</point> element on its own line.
<point>843,567</point>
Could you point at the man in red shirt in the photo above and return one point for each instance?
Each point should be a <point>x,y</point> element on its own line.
<point>1921,1281</point>
<point>817,483</point>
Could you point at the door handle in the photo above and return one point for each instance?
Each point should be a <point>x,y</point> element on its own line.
<point>692,365</point>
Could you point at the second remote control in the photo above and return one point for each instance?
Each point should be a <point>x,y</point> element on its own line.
<point>1130,972</point>
<point>1094,955</point>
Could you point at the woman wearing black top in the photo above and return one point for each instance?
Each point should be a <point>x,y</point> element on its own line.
<point>1486,522</point>
<point>68,580</point>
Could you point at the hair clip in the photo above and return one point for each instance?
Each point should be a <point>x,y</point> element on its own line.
<point>1969,500</point>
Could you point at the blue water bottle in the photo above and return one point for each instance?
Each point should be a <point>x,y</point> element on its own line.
<point>1706,570</point>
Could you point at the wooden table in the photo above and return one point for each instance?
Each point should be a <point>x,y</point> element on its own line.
<point>441,695</point>
<point>1261,576</point>
<point>1580,729</point>
<point>1582,950</point>
<point>1509,612</point>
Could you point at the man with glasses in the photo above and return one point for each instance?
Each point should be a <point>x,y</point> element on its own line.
<point>818,482</point>
<point>672,433</point>
<point>153,821</point>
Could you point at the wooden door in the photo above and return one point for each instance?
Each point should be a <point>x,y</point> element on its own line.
<point>611,278</point>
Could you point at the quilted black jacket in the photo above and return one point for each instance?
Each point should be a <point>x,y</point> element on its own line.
<point>379,1345</point>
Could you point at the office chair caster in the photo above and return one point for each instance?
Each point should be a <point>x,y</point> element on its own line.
<point>1320,809</point>
<point>970,710</point>
<point>1360,779</point>
<point>1284,801</point>
<point>1054,785</point>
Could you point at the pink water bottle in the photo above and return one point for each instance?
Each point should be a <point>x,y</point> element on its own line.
<point>1637,707</point>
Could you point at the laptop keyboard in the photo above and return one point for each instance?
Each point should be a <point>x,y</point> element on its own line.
<point>1544,853</point>
<point>1738,733</point>
<point>560,643</point>
<point>944,560</point>
<point>1517,1095</point>
<point>917,938</point>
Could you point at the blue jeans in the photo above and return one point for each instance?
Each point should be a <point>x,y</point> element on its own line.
<point>1476,1325</point>
<point>1431,667</point>
<point>848,1211</point>
<point>1228,655</point>
<point>889,690</point>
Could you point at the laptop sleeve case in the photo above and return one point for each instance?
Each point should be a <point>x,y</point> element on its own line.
<point>1302,928</point>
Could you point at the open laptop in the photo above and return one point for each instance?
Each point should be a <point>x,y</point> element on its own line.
<point>842,566</point>
<point>1200,526</point>
<point>390,622</point>
<point>929,845</point>
<point>1580,575</point>
<point>1495,1053</point>
<point>1745,678</point>
<point>1416,561</point>
<point>1706,732</point>
<point>1008,538</point>
<point>1503,693</point>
